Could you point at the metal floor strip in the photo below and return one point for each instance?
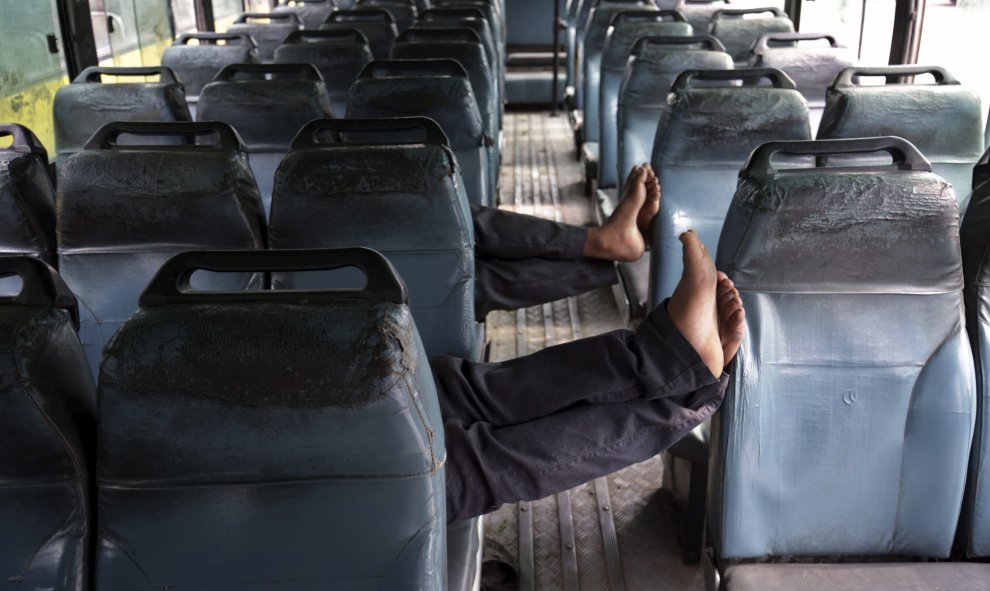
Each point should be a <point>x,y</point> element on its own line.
<point>613,560</point>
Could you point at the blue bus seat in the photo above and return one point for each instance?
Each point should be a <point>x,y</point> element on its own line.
<point>87,104</point>
<point>974,531</point>
<point>707,135</point>
<point>738,33</point>
<point>653,66</point>
<point>339,55</point>
<point>813,68</point>
<point>197,65</point>
<point>123,210</point>
<point>268,29</point>
<point>27,200</point>
<point>470,18</point>
<point>438,89</point>
<point>48,421</point>
<point>267,104</point>
<point>624,31</point>
<point>234,435</point>
<point>580,28</point>
<point>464,46</point>
<point>943,119</point>
<point>311,13</point>
<point>699,12</point>
<point>403,13</point>
<point>376,24</point>
<point>855,361</point>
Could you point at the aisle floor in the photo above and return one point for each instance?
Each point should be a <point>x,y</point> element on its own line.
<point>614,534</point>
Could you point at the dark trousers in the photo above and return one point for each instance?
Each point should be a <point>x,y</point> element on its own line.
<point>522,260</point>
<point>540,424</point>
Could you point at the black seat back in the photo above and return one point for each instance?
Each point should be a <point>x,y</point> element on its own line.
<point>339,55</point>
<point>268,29</point>
<point>377,25</point>
<point>197,65</point>
<point>27,198</point>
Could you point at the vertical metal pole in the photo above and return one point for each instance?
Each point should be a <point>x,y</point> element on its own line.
<point>555,99</point>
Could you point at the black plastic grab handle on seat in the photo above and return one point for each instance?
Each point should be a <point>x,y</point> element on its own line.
<point>704,41</point>
<point>40,285</point>
<point>361,15</point>
<point>325,35</point>
<point>23,140</point>
<point>171,285</point>
<point>905,155</point>
<point>777,77</point>
<point>106,137</point>
<point>297,71</point>
<point>847,77</point>
<point>432,132</point>
<point>272,16</point>
<point>442,12</point>
<point>647,16</point>
<point>96,73</point>
<point>243,38</point>
<point>741,12</point>
<point>423,67</point>
<point>415,33</point>
<point>762,44</point>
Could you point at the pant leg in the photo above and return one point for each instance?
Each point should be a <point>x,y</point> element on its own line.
<point>500,234</point>
<point>540,424</point>
<point>512,284</point>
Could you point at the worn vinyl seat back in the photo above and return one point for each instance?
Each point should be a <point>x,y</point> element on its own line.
<point>376,24</point>
<point>591,57</point>
<point>403,13</point>
<point>267,104</point>
<point>197,64</point>
<point>86,105</point>
<point>27,200</point>
<point>624,31</point>
<point>312,13</point>
<point>737,31</point>
<point>653,65</point>
<point>268,29</point>
<point>705,138</point>
<point>490,11</point>
<point>235,436</point>
<point>123,210</point>
<point>852,282</point>
<point>583,16</point>
<point>415,213</point>
<point>812,66</point>
<point>464,46</point>
<point>339,55</point>
<point>943,119</point>
<point>438,89</point>
<point>974,527</point>
<point>699,12</point>
<point>48,421</point>
<point>468,18</point>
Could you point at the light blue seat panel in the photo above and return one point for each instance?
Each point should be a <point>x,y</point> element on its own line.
<point>441,90</point>
<point>123,210</point>
<point>975,238</point>
<point>738,33</point>
<point>652,68</point>
<point>705,138</point>
<point>234,434</point>
<point>591,60</point>
<point>855,361</point>
<point>87,104</point>
<point>625,30</point>
<point>268,29</point>
<point>267,104</point>
<point>942,119</point>
<point>811,65</point>
<point>580,28</point>
<point>48,421</point>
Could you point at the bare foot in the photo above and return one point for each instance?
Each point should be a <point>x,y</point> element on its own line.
<point>651,207</point>
<point>731,318</point>
<point>620,238</point>
<point>693,306</point>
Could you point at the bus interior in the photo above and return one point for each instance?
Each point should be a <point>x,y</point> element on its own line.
<point>233,231</point>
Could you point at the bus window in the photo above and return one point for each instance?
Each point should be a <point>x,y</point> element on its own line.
<point>225,11</point>
<point>948,39</point>
<point>864,27</point>
<point>131,32</point>
<point>31,68</point>
<point>184,16</point>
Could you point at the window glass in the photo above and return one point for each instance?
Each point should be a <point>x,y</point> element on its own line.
<point>950,38</point>
<point>184,16</point>
<point>131,32</point>
<point>866,27</point>
<point>225,11</point>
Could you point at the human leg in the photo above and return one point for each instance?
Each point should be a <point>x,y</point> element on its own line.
<point>510,285</point>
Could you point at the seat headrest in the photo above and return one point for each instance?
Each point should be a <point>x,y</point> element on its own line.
<point>325,36</point>
<point>601,19</point>
<point>370,15</point>
<point>41,286</point>
<point>719,126</point>
<point>621,38</point>
<point>424,34</point>
<point>213,39</point>
<point>886,229</point>
<point>812,67</point>
<point>269,18</point>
